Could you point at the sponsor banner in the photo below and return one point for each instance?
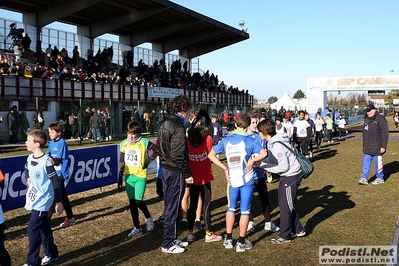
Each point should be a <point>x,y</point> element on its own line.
<point>89,168</point>
<point>357,255</point>
<point>355,119</point>
<point>161,92</point>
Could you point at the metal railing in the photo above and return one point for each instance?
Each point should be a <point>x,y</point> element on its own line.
<point>20,88</point>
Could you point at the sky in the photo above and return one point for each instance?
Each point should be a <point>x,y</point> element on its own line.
<point>293,40</point>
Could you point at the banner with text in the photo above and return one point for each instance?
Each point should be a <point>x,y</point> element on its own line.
<point>161,92</point>
<point>89,168</point>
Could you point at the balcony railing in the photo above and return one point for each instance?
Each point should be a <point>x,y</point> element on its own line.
<point>20,88</point>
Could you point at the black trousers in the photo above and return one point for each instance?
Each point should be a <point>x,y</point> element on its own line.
<point>261,187</point>
<point>206,195</point>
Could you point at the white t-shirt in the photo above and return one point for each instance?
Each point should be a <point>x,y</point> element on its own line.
<point>319,124</point>
<point>341,123</point>
<point>301,128</point>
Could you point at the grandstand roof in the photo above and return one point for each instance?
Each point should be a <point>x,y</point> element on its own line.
<point>167,25</point>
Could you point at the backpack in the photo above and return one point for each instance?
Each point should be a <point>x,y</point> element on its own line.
<point>306,165</point>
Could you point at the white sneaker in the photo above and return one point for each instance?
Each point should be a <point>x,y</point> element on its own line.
<point>251,226</point>
<point>363,181</point>
<point>180,243</point>
<point>109,138</point>
<point>173,249</point>
<point>150,224</point>
<point>228,243</point>
<point>311,155</point>
<point>243,247</point>
<point>47,260</point>
<point>378,181</point>
<point>135,232</point>
<point>269,178</point>
<point>270,226</point>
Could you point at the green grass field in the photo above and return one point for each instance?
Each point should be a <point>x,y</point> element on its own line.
<point>334,209</point>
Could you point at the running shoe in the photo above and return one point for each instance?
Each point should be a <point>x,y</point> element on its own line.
<point>175,249</point>
<point>68,222</point>
<point>213,237</point>
<point>378,181</point>
<point>270,226</point>
<point>135,232</point>
<point>228,243</point>
<point>47,260</point>
<point>149,224</point>
<point>243,247</point>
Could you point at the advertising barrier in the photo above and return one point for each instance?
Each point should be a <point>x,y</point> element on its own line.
<point>89,168</point>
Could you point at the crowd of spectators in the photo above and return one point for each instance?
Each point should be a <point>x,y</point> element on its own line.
<point>57,64</point>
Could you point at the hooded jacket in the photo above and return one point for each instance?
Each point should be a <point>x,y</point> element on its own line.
<point>375,134</point>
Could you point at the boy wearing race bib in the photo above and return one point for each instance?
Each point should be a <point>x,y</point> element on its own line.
<point>239,148</point>
<point>133,155</point>
<point>43,190</point>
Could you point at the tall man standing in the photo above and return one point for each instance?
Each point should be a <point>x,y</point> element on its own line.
<point>172,148</point>
<point>375,140</point>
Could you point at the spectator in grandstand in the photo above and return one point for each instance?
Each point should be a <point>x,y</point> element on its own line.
<point>75,57</point>
<point>25,43</point>
<point>375,141</point>
<point>17,50</point>
<point>38,119</point>
<point>49,49</point>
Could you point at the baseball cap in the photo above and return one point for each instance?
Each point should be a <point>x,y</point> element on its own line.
<point>370,107</point>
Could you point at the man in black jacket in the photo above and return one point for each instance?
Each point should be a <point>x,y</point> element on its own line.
<point>172,148</point>
<point>375,140</point>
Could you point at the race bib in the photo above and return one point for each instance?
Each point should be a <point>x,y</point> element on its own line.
<point>32,195</point>
<point>235,157</point>
<point>132,158</point>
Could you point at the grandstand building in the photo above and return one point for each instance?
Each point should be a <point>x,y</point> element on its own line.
<point>168,27</point>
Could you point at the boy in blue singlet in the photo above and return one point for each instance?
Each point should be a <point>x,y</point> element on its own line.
<point>239,148</point>
<point>58,150</point>
<point>43,190</point>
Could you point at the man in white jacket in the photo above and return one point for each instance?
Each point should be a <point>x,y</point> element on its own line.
<point>290,178</point>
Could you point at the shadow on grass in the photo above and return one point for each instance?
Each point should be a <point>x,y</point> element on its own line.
<point>390,169</point>
<point>324,154</point>
<point>330,202</point>
<point>117,249</point>
<point>55,222</point>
